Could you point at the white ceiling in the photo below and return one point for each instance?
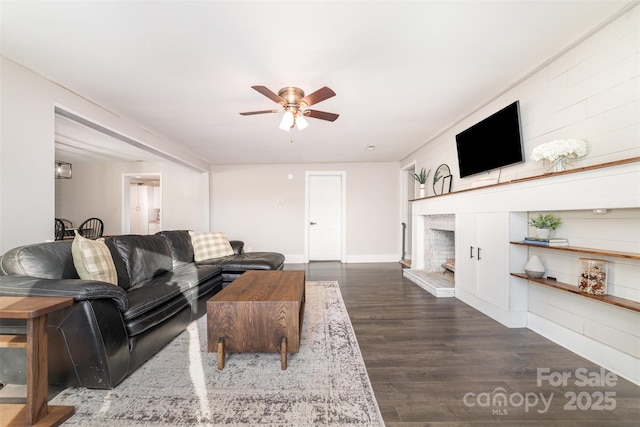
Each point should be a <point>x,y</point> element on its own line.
<point>403,71</point>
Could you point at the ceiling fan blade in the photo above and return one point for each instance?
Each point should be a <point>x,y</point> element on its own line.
<point>251,113</point>
<point>322,115</point>
<point>269,94</point>
<point>317,96</point>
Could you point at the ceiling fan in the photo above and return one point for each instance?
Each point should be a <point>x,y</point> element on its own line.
<point>295,105</point>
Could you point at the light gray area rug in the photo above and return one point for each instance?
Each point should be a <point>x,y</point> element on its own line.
<point>326,383</point>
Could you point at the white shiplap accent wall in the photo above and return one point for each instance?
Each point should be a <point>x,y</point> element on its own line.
<point>616,328</point>
<point>618,229</point>
<point>592,92</point>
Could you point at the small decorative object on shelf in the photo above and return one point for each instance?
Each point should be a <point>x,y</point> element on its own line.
<point>540,241</point>
<point>593,276</point>
<point>442,180</point>
<point>544,224</point>
<point>422,180</point>
<point>543,232</point>
<point>534,267</point>
<point>559,151</point>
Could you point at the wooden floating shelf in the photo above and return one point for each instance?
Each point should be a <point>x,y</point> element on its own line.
<point>543,176</point>
<point>616,254</point>
<point>607,299</point>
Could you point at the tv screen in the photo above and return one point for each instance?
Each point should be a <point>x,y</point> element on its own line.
<point>492,143</point>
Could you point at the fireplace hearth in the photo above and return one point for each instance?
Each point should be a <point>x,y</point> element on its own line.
<point>437,276</point>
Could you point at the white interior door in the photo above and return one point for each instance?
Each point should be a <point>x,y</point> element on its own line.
<point>325,213</point>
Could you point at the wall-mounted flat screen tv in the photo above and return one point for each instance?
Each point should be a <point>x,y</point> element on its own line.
<point>492,143</point>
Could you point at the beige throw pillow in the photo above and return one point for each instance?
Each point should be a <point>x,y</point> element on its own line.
<point>210,245</point>
<point>93,260</point>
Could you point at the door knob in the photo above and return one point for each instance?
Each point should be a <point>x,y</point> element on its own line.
<point>312,223</point>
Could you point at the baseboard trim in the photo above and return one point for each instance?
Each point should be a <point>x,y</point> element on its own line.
<point>351,259</point>
<point>622,364</point>
<point>510,319</point>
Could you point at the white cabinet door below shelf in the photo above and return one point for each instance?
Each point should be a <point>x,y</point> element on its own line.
<point>482,257</point>
<point>493,258</point>
<point>466,265</point>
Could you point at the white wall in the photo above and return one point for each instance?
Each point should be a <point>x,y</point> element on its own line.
<point>591,92</point>
<point>96,191</point>
<point>244,204</point>
<point>27,152</point>
<point>26,144</point>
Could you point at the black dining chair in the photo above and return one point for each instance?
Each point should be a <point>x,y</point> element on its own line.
<point>91,228</point>
<point>68,227</point>
<point>59,229</point>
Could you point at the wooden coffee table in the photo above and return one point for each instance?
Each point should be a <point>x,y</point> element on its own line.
<point>261,311</point>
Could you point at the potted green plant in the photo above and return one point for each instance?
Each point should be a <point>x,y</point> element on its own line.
<point>544,223</point>
<point>421,177</point>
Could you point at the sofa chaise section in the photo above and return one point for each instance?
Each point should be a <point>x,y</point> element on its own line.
<point>232,265</point>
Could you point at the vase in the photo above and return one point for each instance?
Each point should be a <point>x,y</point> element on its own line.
<point>534,267</point>
<point>559,166</point>
<point>543,232</point>
<point>423,191</point>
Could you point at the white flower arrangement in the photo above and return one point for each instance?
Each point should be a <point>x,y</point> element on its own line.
<point>560,149</point>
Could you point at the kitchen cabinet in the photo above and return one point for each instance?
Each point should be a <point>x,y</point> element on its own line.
<point>139,209</point>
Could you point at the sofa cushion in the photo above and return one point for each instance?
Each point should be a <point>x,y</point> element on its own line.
<point>252,261</point>
<point>180,244</point>
<point>93,260</point>
<point>210,245</point>
<point>48,260</point>
<point>233,266</point>
<point>159,298</point>
<point>144,257</point>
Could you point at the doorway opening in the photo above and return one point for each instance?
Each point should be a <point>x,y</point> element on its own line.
<point>141,203</point>
<point>408,192</point>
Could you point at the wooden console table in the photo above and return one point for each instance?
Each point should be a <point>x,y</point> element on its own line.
<point>35,412</point>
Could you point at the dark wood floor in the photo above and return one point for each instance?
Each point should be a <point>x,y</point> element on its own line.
<point>439,362</point>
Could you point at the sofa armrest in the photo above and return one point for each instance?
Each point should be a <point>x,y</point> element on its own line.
<point>78,289</point>
<point>238,246</point>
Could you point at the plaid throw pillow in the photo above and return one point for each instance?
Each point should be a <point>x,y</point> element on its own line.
<point>210,245</point>
<point>92,260</point>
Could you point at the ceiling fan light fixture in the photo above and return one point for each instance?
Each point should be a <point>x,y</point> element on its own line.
<point>294,103</point>
<point>287,121</point>
<point>301,122</point>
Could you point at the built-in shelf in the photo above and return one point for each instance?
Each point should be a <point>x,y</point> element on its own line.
<point>544,176</point>
<point>590,251</point>
<point>607,299</point>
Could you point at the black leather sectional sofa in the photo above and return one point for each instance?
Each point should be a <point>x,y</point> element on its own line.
<point>111,330</point>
